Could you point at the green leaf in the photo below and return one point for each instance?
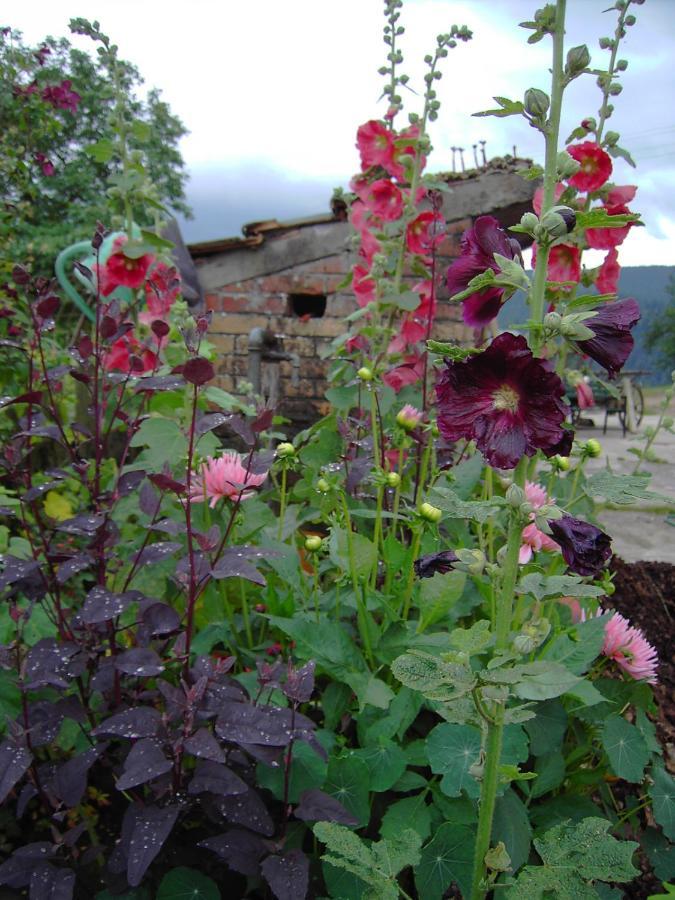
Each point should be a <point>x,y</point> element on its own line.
<point>599,218</point>
<point>506,108</point>
<point>626,749</point>
<point>386,763</point>
<point>540,586</point>
<point>437,596</point>
<point>512,826</point>
<point>623,489</point>
<point>410,812</point>
<point>451,351</point>
<point>363,549</point>
<point>331,647</point>
<point>573,857</point>
<point>141,131</point>
<point>163,438</point>
<point>343,398</point>
<point>475,511</point>
<point>452,750</point>
<point>220,397</point>
<point>578,649</point>
<point>156,241</point>
<point>187,884</point>
<point>543,680</point>
<point>431,676</point>
<point>308,770</point>
<point>550,771</point>
<point>472,640</point>
<point>348,780</point>
<point>394,854</point>
<point>662,794</point>
<point>446,858</point>
<point>102,151</point>
<point>547,729</point>
<point>660,852</point>
<point>370,690</point>
<point>408,300</point>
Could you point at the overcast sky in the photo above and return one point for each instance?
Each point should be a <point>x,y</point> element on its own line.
<point>272,93</point>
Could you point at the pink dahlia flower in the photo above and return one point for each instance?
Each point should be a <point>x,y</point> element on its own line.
<point>479,245</point>
<point>630,649</point>
<point>505,399</point>
<point>596,166</point>
<point>533,538</point>
<point>225,477</point>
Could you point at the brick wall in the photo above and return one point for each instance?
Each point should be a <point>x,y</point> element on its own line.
<point>239,307</point>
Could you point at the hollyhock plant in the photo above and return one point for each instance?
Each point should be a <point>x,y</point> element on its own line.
<point>564,263</point>
<point>607,281</point>
<point>612,340</point>
<point>384,200</point>
<point>128,355</point>
<point>539,197</point>
<point>375,144</point>
<point>596,166</point>
<point>505,399</point>
<point>425,232</point>
<point>584,547</point>
<point>585,398</point>
<point>629,648</point>
<point>123,271</point>
<point>60,96</point>
<point>409,372</point>
<point>616,204</point>
<point>479,245</point>
<point>162,289</point>
<point>224,478</point>
<point>363,285</point>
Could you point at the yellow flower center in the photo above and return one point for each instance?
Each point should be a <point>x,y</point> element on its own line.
<point>505,398</point>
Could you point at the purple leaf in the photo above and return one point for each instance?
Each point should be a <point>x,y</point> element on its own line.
<point>139,661</point>
<point>16,570</point>
<point>234,563</point>
<point>299,684</point>
<point>166,483</point>
<point>240,849</point>
<point>102,605</point>
<point>36,492</point>
<point>241,427</point>
<point>26,794</point>
<point>151,827</point>
<point>202,569</point>
<point>160,383</point>
<point>169,526</point>
<point>29,397</point>
<point>14,761</point>
<point>315,806</point>
<point>265,725</point>
<point>160,618</point>
<point>287,875</point>
<point>50,662</point>
<point>16,871</point>
<point>129,482</point>
<point>202,743</point>
<point>263,420</point>
<point>138,722</point>
<point>149,500</point>
<point>82,525</point>
<point>198,370</point>
<point>209,421</point>
<point>144,762</point>
<point>49,883</point>
<point>70,779</point>
<point>247,810</point>
<point>155,553</point>
<point>72,566</point>
<point>214,778</point>
<point>44,721</point>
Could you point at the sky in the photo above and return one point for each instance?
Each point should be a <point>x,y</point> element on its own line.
<point>272,93</point>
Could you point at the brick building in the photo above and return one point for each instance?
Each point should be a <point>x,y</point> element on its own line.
<point>283,279</point>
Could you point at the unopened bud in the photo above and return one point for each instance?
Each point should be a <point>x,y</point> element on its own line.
<point>630,20</point>
<point>536,103</point>
<point>578,59</point>
<point>393,479</point>
<point>322,486</point>
<point>559,221</point>
<point>430,513</point>
<point>313,543</point>
<point>611,138</point>
<point>365,374</point>
<point>622,65</point>
<point>515,496</point>
<point>592,448</point>
<point>529,221</point>
<point>605,43</point>
<point>566,165</point>
<point>552,320</point>
<point>409,417</point>
<point>285,450</point>
<point>561,462</point>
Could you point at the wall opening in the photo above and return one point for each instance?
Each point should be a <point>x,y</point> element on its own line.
<point>307,306</point>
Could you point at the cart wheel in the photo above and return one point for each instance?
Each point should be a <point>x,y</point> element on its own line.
<point>638,403</point>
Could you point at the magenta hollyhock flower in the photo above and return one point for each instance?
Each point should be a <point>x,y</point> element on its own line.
<point>375,144</point>
<point>405,148</point>
<point>584,547</point>
<point>45,164</point>
<point>608,238</point>
<point>630,649</point>
<point>612,341</point>
<point>607,281</point>
<point>224,477</point>
<point>60,96</point>
<point>128,355</point>
<point>479,245</point>
<point>123,271</point>
<point>363,285</point>
<point>585,398</point>
<point>162,289</point>
<point>384,200</point>
<point>435,563</point>
<point>596,166</point>
<point>564,263</point>
<point>505,399</point>
<point>409,372</point>
<point>425,232</point>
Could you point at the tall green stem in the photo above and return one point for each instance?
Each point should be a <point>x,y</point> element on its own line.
<point>282,503</point>
<point>362,610</point>
<point>550,173</point>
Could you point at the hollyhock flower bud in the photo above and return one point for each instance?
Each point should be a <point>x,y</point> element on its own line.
<point>313,543</point>
<point>584,547</point>
<point>536,103</point>
<point>430,513</point>
<point>553,321</point>
<point>578,59</point>
<point>559,221</point>
<point>566,166</point>
<point>529,221</point>
<point>435,563</point>
<point>515,496</point>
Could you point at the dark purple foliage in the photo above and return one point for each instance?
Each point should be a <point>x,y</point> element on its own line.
<point>240,849</point>
<point>287,875</point>
<point>144,762</point>
<point>317,806</point>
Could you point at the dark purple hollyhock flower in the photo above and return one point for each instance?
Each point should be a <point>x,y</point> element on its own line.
<point>505,399</point>
<point>564,445</point>
<point>435,563</point>
<point>479,245</point>
<point>584,547</point>
<point>612,341</point>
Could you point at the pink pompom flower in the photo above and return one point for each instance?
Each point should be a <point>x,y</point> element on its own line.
<point>630,649</point>
<point>533,538</point>
<point>224,477</point>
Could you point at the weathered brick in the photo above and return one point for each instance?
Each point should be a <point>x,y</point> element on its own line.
<point>328,326</point>
<point>226,382</point>
<point>223,343</point>
<point>234,323</point>
<point>341,305</point>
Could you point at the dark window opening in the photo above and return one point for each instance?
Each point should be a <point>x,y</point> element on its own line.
<point>307,306</point>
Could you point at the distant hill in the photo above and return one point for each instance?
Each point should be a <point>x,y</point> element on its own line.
<point>648,285</point>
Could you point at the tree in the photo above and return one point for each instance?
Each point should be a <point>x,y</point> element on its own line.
<point>661,334</point>
<point>60,107</point>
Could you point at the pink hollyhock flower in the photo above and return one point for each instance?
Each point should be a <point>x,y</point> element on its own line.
<point>533,538</point>
<point>608,238</point>
<point>384,199</point>
<point>630,649</point>
<point>539,197</point>
<point>564,263</point>
<point>405,148</point>
<point>409,372</point>
<point>45,164</point>
<point>585,398</point>
<point>363,285</point>
<point>479,245</point>
<point>607,281</point>
<point>224,477</point>
<point>369,246</point>
<point>425,232</point>
<point>162,289</point>
<point>60,96</point>
<point>129,356</point>
<point>620,195</point>
<point>505,399</point>
<point>356,342</point>
<point>612,341</point>
<point>123,271</point>
<point>596,166</point>
<point>375,143</point>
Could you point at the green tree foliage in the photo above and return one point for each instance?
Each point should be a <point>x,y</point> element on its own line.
<point>661,334</point>
<point>54,165</point>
